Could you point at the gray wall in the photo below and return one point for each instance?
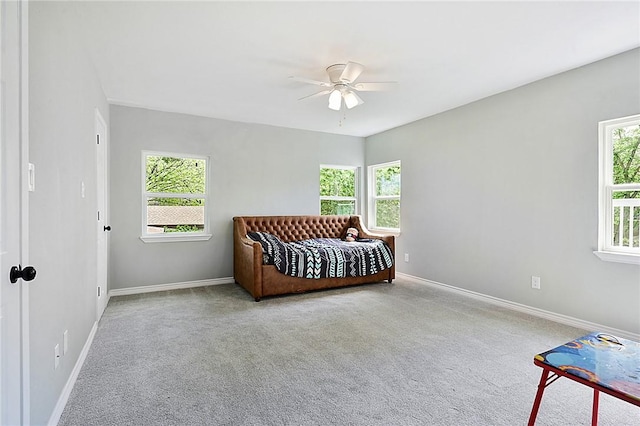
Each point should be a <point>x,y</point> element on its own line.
<point>493,193</point>
<point>64,92</point>
<point>255,170</point>
<point>507,187</point>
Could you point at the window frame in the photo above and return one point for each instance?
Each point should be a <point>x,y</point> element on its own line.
<point>355,198</point>
<point>606,251</point>
<point>372,197</point>
<point>174,236</point>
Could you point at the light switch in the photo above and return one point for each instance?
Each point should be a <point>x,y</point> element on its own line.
<point>32,177</point>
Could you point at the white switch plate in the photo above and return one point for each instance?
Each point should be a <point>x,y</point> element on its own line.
<point>65,342</point>
<point>406,257</point>
<point>32,177</point>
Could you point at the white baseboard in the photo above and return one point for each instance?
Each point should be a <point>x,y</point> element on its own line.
<point>552,316</point>
<point>170,286</point>
<point>68,387</point>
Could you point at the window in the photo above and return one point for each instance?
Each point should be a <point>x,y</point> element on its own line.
<point>338,190</point>
<point>174,197</point>
<point>619,199</point>
<point>384,196</point>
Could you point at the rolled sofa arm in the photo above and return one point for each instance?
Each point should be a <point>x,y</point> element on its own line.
<point>363,232</point>
<point>247,260</point>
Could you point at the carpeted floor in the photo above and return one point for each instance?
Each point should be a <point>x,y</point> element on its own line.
<point>380,354</point>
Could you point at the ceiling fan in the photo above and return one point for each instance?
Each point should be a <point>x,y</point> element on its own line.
<point>342,85</point>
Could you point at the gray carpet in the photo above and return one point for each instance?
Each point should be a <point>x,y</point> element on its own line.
<point>380,354</point>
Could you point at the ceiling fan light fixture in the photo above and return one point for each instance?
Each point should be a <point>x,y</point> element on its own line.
<point>335,100</point>
<point>351,99</point>
<point>342,85</point>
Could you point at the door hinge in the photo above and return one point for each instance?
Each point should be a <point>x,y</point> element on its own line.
<point>98,139</point>
<point>98,291</point>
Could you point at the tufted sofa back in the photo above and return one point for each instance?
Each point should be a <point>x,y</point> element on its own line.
<point>295,228</point>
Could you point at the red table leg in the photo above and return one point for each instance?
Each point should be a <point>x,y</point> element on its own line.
<point>594,411</point>
<point>536,403</point>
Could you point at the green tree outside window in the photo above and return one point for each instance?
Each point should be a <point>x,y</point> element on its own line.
<point>175,192</point>
<point>338,188</point>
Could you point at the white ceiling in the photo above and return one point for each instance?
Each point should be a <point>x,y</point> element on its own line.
<point>232,60</point>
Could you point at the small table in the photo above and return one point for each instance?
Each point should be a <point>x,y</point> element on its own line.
<point>601,361</point>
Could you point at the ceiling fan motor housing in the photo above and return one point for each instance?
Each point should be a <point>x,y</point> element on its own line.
<point>335,71</point>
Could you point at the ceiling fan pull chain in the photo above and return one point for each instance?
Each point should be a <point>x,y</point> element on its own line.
<point>344,117</point>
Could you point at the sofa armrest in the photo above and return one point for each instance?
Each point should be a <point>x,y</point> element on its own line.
<point>247,260</point>
<point>356,222</point>
<point>363,232</point>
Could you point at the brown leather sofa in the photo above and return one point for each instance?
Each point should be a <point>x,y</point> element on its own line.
<point>264,280</point>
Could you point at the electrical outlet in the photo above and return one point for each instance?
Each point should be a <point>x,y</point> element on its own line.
<point>406,257</point>
<point>56,352</point>
<point>535,283</point>
<point>65,342</point>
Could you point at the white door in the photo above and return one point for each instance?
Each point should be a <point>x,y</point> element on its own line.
<point>103,226</point>
<point>14,297</point>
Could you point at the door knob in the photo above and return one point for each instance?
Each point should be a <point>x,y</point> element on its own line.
<point>26,274</point>
<point>107,228</point>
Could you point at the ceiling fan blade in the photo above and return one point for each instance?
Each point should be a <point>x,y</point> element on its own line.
<point>351,71</point>
<point>313,95</point>
<point>308,80</point>
<point>374,87</point>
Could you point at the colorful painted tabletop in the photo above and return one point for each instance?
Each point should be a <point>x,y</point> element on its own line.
<point>609,361</point>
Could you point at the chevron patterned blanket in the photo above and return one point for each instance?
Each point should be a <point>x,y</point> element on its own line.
<point>324,257</point>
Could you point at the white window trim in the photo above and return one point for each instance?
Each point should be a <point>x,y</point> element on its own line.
<point>606,251</point>
<point>371,198</point>
<point>355,199</point>
<point>174,236</point>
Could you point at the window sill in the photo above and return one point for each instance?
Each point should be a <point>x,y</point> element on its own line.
<point>610,256</point>
<point>385,231</point>
<point>176,238</point>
